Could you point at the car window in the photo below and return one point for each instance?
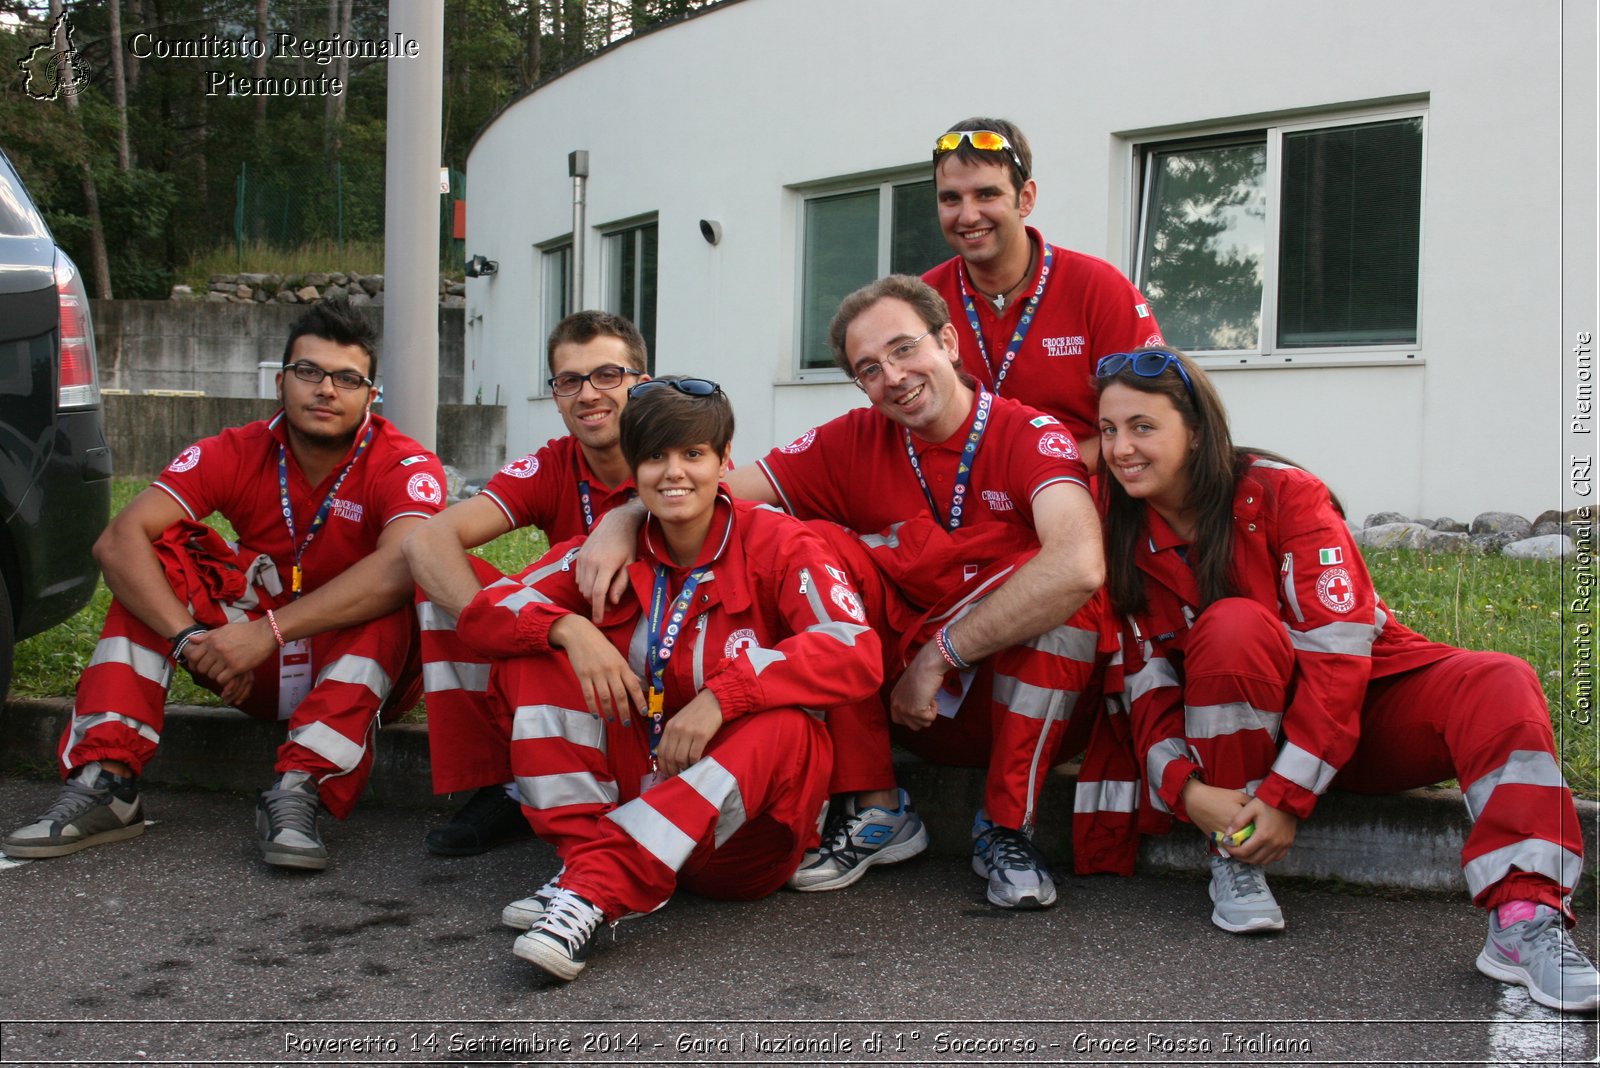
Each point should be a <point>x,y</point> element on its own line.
<point>18,216</point>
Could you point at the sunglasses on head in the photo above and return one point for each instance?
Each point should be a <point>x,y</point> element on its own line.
<point>694,387</point>
<point>983,141</point>
<point>1151,363</point>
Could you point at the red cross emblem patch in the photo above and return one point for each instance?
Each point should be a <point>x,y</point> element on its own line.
<point>1335,590</point>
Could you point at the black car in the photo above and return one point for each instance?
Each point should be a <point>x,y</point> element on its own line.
<point>55,465</point>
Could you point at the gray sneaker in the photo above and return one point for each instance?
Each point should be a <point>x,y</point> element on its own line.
<point>286,823</point>
<point>1244,903</point>
<point>1539,954</point>
<point>1018,877</point>
<point>561,940</point>
<point>524,912</point>
<point>93,808</point>
<point>854,841</point>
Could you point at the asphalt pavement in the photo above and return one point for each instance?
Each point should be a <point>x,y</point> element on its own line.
<point>181,947</point>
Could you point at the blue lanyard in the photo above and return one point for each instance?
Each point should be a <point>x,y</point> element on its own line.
<point>1026,321</point>
<point>297,576</point>
<point>588,505</point>
<point>969,454</point>
<point>662,641</point>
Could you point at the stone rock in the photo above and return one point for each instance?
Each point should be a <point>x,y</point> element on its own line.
<point>1392,536</point>
<point>243,292</point>
<point>453,302</point>
<point>1451,526</point>
<point>1501,523</point>
<point>452,482</point>
<point>182,292</point>
<point>217,279</point>
<point>335,292</point>
<point>317,278</point>
<point>372,283</point>
<point>1582,514</point>
<point>1447,541</point>
<point>472,487</point>
<point>457,289</point>
<point>253,280</point>
<point>339,278</point>
<point>286,296</point>
<point>261,296</point>
<point>222,287</point>
<point>377,298</point>
<point>1548,547</point>
<point>216,298</point>
<point>358,297</point>
<point>1491,543</point>
<point>1381,519</point>
<point>1543,526</point>
<point>307,294</point>
<point>1549,515</point>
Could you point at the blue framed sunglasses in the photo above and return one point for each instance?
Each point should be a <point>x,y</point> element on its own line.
<point>1151,363</point>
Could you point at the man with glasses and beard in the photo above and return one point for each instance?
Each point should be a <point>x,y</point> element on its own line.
<point>563,489</point>
<point>306,620</point>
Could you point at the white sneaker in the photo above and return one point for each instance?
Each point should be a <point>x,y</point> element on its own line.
<point>1244,902</point>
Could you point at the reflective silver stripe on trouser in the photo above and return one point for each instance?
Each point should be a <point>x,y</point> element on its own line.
<point>665,840</point>
<point>1561,866</point>
<point>455,675</point>
<point>146,663</point>
<point>1524,767</point>
<point>1155,674</point>
<point>1304,769</point>
<point>431,617</point>
<point>358,671</point>
<point>566,788</point>
<point>330,745</point>
<point>82,725</point>
<point>1155,763</point>
<point>1217,721</point>
<point>1112,795</point>
<point>1034,702</point>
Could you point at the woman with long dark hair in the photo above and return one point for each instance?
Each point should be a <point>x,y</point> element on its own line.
<point>1261,667</point>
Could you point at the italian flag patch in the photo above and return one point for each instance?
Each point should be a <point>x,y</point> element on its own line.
<point>1329,557</point>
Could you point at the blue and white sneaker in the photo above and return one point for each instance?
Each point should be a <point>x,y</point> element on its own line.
<point>854,841</point>
<point>1017,875</point>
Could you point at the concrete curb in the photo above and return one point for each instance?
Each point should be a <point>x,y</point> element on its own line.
<point>1411,840</point>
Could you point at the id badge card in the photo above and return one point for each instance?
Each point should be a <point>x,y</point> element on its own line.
<point>294,676</point>
<point>949,699</point>
<point>651,779</point>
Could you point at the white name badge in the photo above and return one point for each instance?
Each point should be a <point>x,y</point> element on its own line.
<point>950,703</point>
<point>294,676</point>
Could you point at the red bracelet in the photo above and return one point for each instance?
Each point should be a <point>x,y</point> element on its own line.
<point>276,633</point>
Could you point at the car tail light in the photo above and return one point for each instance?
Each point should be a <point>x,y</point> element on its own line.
<point>80,385</point>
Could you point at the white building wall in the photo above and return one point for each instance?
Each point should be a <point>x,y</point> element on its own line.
<point>723,116</point>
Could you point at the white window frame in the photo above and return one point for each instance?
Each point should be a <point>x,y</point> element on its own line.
<point>1267,354</point>
<point>543,253</point>
<point>608,290</point>
<point>884,184</point>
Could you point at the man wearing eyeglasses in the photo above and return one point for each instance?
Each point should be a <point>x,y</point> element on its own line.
<point>306,621</point>
<point>563,489</point>
<point>1032,318</point>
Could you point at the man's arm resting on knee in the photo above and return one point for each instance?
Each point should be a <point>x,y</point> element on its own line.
<point>436,550</point>
<point>127,557</point>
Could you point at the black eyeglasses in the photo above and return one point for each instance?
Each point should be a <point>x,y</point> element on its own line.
<point>608,377</point>
<point>310,372</point>
<point>1151,363</point>
<point>694,387</point>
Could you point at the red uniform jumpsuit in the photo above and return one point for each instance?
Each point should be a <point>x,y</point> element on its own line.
<point>855,471</point>
<point>774,630</point>
<point>554,490</point>
<point>1305,680</point>
<point>359,673</point>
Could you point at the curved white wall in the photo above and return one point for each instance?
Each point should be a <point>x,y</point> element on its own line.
<point>721,116</point>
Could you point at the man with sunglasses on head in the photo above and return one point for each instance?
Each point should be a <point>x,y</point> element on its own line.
<point>1032,318</point>
<point>563,489</point>
<point>306,619</point>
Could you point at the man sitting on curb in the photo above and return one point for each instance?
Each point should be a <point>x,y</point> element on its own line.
<point>303,621</point>
<point>562,489</point>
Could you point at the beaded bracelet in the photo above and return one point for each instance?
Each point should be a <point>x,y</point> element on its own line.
<point>272,621</point>
<point>947,649</point>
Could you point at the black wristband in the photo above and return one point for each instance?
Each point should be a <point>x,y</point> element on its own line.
<point>181,639</point>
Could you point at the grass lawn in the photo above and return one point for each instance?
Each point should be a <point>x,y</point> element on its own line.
<point>1476,602</point>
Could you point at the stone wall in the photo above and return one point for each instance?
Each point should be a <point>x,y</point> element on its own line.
<point>145,433</point>
<point>215,348</point>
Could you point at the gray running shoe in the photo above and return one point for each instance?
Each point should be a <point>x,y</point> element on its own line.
<point>854,841</point>
<point>286,823</point>
<point>1539,954</point>
<point>1244,903</point>
<point>1018,877</point>
<point>94,807</point>
<point>524,912</point>
<point>560,942</point>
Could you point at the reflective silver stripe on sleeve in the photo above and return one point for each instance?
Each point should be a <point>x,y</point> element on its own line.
<point>82,725</point>
<point>1275,465</point>
<point>1155,674</point>
<point>444,675</point>
<point>761,659</point>
<point>359,671</point>
<point>431,617</point>
<point>659,836</point>
<point>699,659</point>
<point>1351,639</point>
<point>1561,866</point>
<point>1304,769</point>
<point>552,721</point>
<point>1161,754</point>
<point>1217,721</point>
<point>1068,643</point>
<point>329,744</point>
<point>516,602</point>
<point>145,662</point>
<point>1526,767</point>
<point>717,785</point>
<point>539,575</point>
<point>843,633</point>
<point>1034,702</point>
<point>638,651</point>
<point>567,788</point>
<point>1112,795</point>
<point>889,539</point>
